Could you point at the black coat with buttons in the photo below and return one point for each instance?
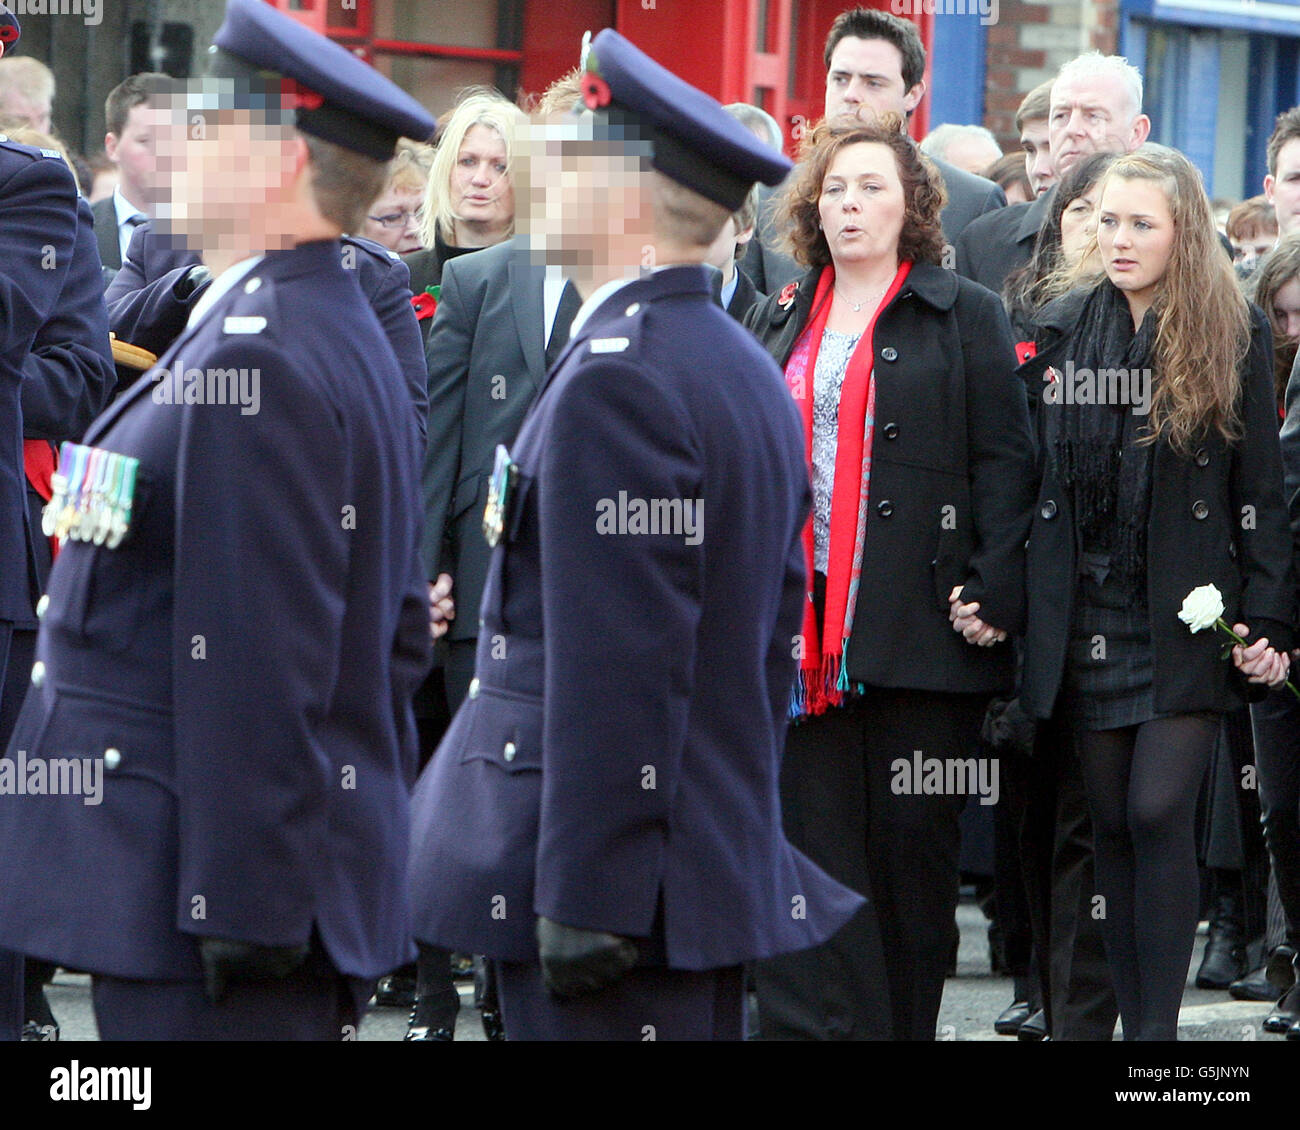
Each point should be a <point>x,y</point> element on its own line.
<point>952,481</point>
<point>1216,517</point>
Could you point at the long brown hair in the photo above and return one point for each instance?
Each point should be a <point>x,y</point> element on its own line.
<point>921,239</point>
<point>1278,268</point>
<point>1202,318</point>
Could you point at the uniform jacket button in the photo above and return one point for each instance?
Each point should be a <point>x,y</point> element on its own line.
<point>884,508</point>
<point>1048,509</point>
<point>473,687</point>
<point>891,431</point>
<point>112,759</point>
<point>38,673</point>
<point>1202,457</point>
<point>41,606</point>
<point>509,752</point>
<point>1200,510</point>
<point>889,353</point>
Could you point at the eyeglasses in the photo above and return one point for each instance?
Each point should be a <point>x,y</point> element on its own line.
<point>395,220</point>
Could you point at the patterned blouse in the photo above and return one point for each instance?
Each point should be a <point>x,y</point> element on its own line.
<point>832,365</point>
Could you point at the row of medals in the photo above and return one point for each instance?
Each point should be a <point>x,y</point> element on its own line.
<point>93,490</point>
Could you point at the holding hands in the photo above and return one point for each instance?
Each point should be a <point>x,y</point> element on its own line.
<point>964,620</point>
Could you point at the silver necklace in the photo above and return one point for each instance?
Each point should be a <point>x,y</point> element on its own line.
<point>857,306</point>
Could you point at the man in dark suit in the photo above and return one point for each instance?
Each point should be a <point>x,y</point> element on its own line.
<point>874,65</point>
<point>131,144</point>
<point>1094,106</point>
<point>38,232</point>
<point>237,620</point>
<point>604,811</point>
<point>151,299</point>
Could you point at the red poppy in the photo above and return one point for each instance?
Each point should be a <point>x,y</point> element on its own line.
<point>425,304</point>
<point>595,91</point>
<point>787,295</point>
<point>298,97</point>
<point>8,33</point>
<point>1025,350</point>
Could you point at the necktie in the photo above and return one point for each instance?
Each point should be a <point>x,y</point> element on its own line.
<point>570,304</point>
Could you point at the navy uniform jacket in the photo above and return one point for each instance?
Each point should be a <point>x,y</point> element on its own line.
<point>67,380</point>
<point>144,310</point>
<point>248,652</point>
<point>38,231</point>
<point>617,761</point>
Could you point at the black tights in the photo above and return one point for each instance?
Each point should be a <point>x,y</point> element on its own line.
<point>1142,782</point>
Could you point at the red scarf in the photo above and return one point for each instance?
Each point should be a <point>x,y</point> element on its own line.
<point>822,678</point>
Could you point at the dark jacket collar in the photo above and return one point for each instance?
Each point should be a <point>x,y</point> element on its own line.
<point>1032,217</point>
<point>686,279</point>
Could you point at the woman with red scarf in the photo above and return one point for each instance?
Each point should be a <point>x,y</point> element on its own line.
<point>923,477</point>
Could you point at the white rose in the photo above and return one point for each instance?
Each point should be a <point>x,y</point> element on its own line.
<point>1202,607</point>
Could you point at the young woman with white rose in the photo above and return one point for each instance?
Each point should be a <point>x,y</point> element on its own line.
<point>1141,502</point>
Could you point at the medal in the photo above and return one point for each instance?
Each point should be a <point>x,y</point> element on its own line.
<point>122,508</point>
<point>500,491</point>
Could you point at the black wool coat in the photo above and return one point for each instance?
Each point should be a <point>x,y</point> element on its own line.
<point>952,481</point>
<point>1217,516</point>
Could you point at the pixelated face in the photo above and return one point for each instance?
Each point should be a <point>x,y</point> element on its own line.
<point>1038,154</point>
<point>134,152</point>
<point>589,202</point>
<point>1078,222</point>
<point>1283,188</point>
<point>1135,234</point>
<point>862,203</point>
<point>1092,114</point>
<point>866,79</point>
<point>233,186</point>
<point>394,219</point>
<point>481,192</point>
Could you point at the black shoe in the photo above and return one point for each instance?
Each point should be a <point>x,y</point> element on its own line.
<point>395,991</point>
<point>1281,968</point>
<point>1034,1029</point>
<point>422,1035</point>
<point>1012,1019</point>
<point>493,1028</point>
<point>1223,963</point>
<point>1285,1014</point>
<point>34,1033</point>
<point>1255,986</point>
<point>1293,1033</point>
<point>462,967</point>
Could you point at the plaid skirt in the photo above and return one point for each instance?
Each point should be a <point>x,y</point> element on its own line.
<point>1109,674</point>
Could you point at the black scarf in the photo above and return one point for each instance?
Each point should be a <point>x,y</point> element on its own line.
<point>1094,447</point>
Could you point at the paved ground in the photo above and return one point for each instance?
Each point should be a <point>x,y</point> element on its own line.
<point>971,1002</point>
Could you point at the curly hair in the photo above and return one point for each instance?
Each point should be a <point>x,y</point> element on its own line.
<point>921,239</point>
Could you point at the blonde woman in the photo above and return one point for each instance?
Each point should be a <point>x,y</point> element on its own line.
<point>469,202</point>
<point>1163,477</point>
<point>396,218</point>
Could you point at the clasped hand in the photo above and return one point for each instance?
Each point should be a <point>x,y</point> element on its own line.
<point>964,620</point>
<point>1260,662</point>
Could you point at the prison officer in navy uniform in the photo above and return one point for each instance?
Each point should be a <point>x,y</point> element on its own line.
<point>38,230</point>
<point>242,662</point>
<point>604,810</point>
<point>152,296</point>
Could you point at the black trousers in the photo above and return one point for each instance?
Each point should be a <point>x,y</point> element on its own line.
<point>649,1003</point>
<point>315,1002</point>
<point>1056,853</point>
<point>881,976</point>
<point>1276,722</point>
